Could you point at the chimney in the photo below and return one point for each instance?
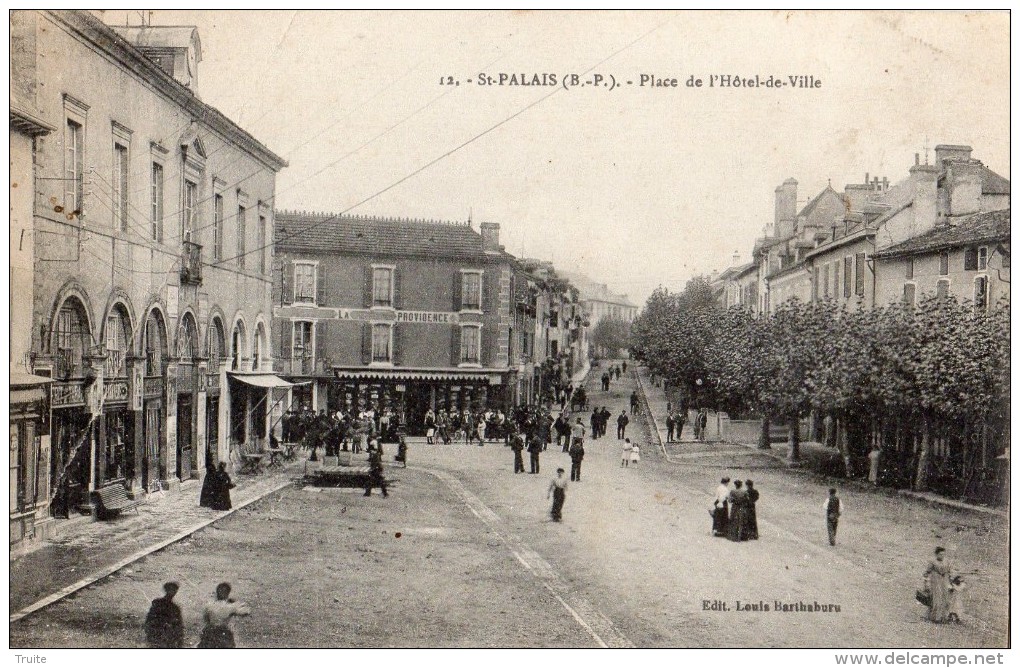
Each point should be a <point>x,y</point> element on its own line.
<point>786,209</point>
<point>177,50</point>
<point>963,181</point>
<point>736,258</point>
<point>917,158</point>
<point>924,179</point>
<point>490,237</point>
<point>952,152</point>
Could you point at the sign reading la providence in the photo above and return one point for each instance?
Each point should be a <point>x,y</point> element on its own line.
<point>429,317</point>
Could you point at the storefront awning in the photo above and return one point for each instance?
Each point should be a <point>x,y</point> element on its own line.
<point>264,380</point>
<point>410,374</point>
<point>21,379</point>
<point>27,395</point>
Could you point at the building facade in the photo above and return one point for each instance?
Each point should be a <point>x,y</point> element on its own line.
<point>398,314</point>
<point>151,282</point>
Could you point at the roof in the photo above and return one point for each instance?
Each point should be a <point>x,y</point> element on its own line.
<point>589,290</point>
<point>810,207</point>
<point>978,228</point>
<point>992,183</point>
<point>371,235</point>
<point>168,37</point>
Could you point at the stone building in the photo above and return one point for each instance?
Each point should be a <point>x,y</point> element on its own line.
<point>152,222</point>
<point>409,315</point>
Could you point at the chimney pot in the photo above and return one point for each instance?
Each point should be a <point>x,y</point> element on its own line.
<point>917,158</point>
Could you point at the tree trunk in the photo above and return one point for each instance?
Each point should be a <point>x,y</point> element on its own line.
<point>763,439</point>
<point>921,479</point>
<point>841,444</point>
<point>793,459</point>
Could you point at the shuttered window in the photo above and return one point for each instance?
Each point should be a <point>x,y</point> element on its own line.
<point>382,343</point>
<point>470,345</point>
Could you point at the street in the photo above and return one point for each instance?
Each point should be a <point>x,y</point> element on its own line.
<point>463,554</point>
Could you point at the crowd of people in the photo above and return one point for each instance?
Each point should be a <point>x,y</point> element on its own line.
<point>734,511</point>
<point>342,430</point>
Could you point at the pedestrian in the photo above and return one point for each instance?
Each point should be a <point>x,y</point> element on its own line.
<point>627,447</point>
<point>874,457</point>
<point>208,493</point>
<point>375,473</point>
<point>535,450</point>
<point>164,625</point>
<point>217,614</point>
<point>679,420</point>
<point>634,402</point>
<point>702,423</point>
<point>402,449</point>
<point>604,418</point>
<point>430,427</point>
<point>558,492</point>
<point>720,508</point>
<point>752,512</point>
<point>738,512</point>
<point>833,507</point>
<point>635,453</point>
<point>624,367</point>
<point>594,421</point>
<point>517,445</point>
<point>220,494</point>
<point>938,579</point>
<point>576,457</point>
<point>621,425</point>
<point>670,425</point>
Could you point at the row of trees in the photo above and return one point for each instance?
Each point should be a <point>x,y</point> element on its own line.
<point>928,384</point>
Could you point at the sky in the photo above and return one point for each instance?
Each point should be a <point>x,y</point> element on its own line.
<point>635,186</point>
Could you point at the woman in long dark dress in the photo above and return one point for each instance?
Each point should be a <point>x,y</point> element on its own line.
<point>721,509</point>
<point>209,484</point>
<point>221,500</point>
<point>752,514</point>
<point>738,512</point>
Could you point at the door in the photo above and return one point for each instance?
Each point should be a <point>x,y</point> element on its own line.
<point>184,429</point>
<point>153,436</point>
<point>212,430</point>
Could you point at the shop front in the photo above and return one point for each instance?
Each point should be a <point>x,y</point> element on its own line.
<point>410,394</point>
<point>29,460</point>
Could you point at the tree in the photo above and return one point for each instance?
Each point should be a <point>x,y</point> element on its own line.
<point>611,334</point>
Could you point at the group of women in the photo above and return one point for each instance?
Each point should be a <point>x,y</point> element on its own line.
<point>734,513</point>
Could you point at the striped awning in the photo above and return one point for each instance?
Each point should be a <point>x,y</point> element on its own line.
<point>410,374</point>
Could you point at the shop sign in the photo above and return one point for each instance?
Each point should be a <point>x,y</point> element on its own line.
<point>64,395</point>
<point>495,379</point>
<point>116,391</point>
<point>429,317</point>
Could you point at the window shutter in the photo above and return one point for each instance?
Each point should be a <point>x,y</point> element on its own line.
<point>847,275</point>
<point>970,259</point>
<point>366,343</point>
<point>287,282</point>
<point>458,286</point>
<point>490,287</point>
<point>320,285</point>
<point>397,301</point>
<point>287,343</point>
<point>29,464</point>
<point>859,275</point>
<point>489,343</point>
<point>368,289</point>
<point>320,343</point>
<point>455,342</point>
<point>396,355</point>
<point>909,294</point>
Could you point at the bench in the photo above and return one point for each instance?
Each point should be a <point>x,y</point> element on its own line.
<point>343,476</point>
<point>110,501</point>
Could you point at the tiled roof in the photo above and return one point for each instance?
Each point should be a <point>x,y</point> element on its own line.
<point>978,228</point>
<point>993,184</point>
<point>810,207</point>
<point>370,235</point>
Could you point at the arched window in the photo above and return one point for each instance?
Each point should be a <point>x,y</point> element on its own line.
<point>260,335</point>
<point>186,340</point>
<point>118,342</point>
<point>217,345</point>
<point>70,340</point>
<point>155,344</point>
<point>237,346</point>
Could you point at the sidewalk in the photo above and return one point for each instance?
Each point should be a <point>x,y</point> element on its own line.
<point>814,456</point>
<point>85,551</point>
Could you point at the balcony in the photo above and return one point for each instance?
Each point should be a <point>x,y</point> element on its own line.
<point>67,364</point>
<point>114,366</point>
<point>191,263</point>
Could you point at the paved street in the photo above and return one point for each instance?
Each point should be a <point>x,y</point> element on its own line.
<point>462,553</point>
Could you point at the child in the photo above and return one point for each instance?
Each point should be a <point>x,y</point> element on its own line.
<point>635,453</point>
<point>627,452</point>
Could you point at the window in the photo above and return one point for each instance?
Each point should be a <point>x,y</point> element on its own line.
<point>242,224</point>
<point>381,335</point>
<point>848,269</point>
<point>304,282</point>
<point>942,288</point>
<point>981,293</point>
<point>153,346</point>
<point>217,227</point>
<point>470,345</point>
<point>156,191</point>
<point>859,274</point>
<point>471,291</point>
<point>910,267</point>
<point>189,210</point>
<point>120,187</point>
<point>302,342</point>
<point>74,167</point>
<point>970,259</point>
<point>263,250</point>
<point>70,342</point>
<point>116,345</point>
<point>982,258</point>
<point>382,289</point>
<point>944,263</point>
<point>909,294</point>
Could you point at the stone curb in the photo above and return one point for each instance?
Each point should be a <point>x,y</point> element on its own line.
<point>144,552</point>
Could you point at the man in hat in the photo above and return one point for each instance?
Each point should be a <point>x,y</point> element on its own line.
<point>164,625</point>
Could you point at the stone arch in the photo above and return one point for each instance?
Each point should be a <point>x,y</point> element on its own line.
<point>186,346</point>
<point>71,337</point>
<point>260,343</point>
<point>216,340</point>
<point>72,288</point>
<point>155,339</point>
<point>118,336</point>
<point>238,348</point>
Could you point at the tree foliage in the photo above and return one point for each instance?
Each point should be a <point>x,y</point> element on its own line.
<point>611,334</point>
